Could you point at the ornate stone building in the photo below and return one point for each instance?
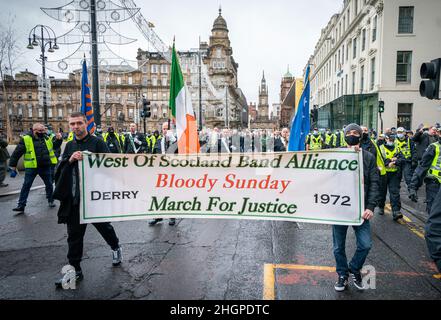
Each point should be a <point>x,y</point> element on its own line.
<point>262,120</point>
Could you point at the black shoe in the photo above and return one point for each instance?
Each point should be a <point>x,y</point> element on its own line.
<point>397,215</point>
<point>357,279</point>
<point>154,222</point>
<point>78,277</point>
<point>172,222</point>
<point>341,285</point>
<point>19,209</point>
<point>52,205</point>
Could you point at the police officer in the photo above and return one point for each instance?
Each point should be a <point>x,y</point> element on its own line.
<point>314,141</point>
<point>113,140</point>
<point>39,156</point>
<point>341,142</point>
<point>393,159</point>
<point>408,150</point>
<point>428,171</point>
<point>330,139</point>
<point>433,231</point>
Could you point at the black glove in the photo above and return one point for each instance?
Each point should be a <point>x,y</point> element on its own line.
<point>413,195</point>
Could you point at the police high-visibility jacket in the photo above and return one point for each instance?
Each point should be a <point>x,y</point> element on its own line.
<point>435,170</point>
<point>331,140</point>
<point>30,158</point>
<point>389,155</point>
<point>106,135</point>
<point>342,140</point>
<point>315,143</point>
<point>70,137</point>
<point>404,147</point>
<point>153,141</point>
<point>380,162</point>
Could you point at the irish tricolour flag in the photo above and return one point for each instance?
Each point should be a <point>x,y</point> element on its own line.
<point>182,110</point>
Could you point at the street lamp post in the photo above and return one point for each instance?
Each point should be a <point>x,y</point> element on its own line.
<point>43,36</point>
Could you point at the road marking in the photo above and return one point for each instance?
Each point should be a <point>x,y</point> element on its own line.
<point>269,276</point>
<point>269,289</point>
<point>419,231</point>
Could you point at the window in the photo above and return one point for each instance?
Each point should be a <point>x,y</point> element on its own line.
<point>144,81</point>
<point>355,7</point>
<point>164,69</point>
<point>218,53</point>
<point>349,17</point>
<point>118,80</point>
<point>30,111</point>
<point>29,96</point>
<point>343,54</point>
<point>154,68</point>
<point>363,43</point>
<point>130,80</point>
<point>362,79</point>
<point>346,84</point>
<point>131,113</point>
<point>374,29</point>
<point>40,112</point>
<point>338,88</point>
<point>164,81</point>
<point>353,82</point>
<point>347,52</point>
<point>164,96</point>
<point>49,112</point>
<point>155,96</point>
<point>405,20</point>
<point>20,110</point>
<point>404,66</point>
<point>60,112</point>
<point>354,48</point>
<point>109,112</point>
<point>372,74</point>
<point>154,81</point>
<point>405,115</point>
<point>144,69</point>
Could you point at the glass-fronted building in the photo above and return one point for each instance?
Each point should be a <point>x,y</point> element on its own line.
<point>361,109</point>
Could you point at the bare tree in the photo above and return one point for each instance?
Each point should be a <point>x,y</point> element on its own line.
<point>9,53</point>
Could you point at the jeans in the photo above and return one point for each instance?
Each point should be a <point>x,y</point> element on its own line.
<point>364,244</point>
<point>392,182</point>
<point>75,238</point>
<point>30,174</point>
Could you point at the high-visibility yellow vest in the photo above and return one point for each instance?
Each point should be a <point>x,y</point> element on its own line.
<point>435,169</point>
<point>70,137</point>
<point>30,158</point>
<point>153,141</point>
<point>404,147</point>
<point>331,140</point>
<point>315,143</point>
<point>380,162</point>
<point>343,140</point>
<point>387,154</point>
<point>106,135</point>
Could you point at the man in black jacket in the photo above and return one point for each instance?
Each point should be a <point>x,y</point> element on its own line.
<point>68,180</point>
<point>135,142</point>
<point>423,138</point>
<point>353,134</point>
<point>39,156</point>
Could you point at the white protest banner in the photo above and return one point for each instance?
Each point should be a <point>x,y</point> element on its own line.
<point>316,187</point>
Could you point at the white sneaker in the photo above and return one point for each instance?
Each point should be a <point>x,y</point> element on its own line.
<point>117,257</point>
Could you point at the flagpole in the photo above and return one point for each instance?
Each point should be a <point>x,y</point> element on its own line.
<point>95,75</point>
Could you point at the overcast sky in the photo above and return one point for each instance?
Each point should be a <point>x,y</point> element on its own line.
<point>265,35</point>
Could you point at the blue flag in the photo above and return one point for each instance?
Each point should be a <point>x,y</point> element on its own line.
<point>86,101</point>
<point>300,126</point>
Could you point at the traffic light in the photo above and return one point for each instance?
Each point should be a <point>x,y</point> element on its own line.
<point>381,107</point>
<point>431,71</point>
<point>146,112</point>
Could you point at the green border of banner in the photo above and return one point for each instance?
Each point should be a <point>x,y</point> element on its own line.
<point>158,215</point>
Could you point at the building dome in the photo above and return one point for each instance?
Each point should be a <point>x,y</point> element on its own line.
<point>220,23</point>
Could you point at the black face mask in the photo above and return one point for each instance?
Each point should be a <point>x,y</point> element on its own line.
<point>40,135</point>
<point>352,140</point>
<point>365,136</point>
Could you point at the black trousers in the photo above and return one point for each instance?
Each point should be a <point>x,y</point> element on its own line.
<point>433,229</point>
<point>75,237</point>
<point>391,181</point>
<point>432,188</point>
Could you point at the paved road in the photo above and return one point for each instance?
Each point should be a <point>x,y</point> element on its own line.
<point>207,259</point>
